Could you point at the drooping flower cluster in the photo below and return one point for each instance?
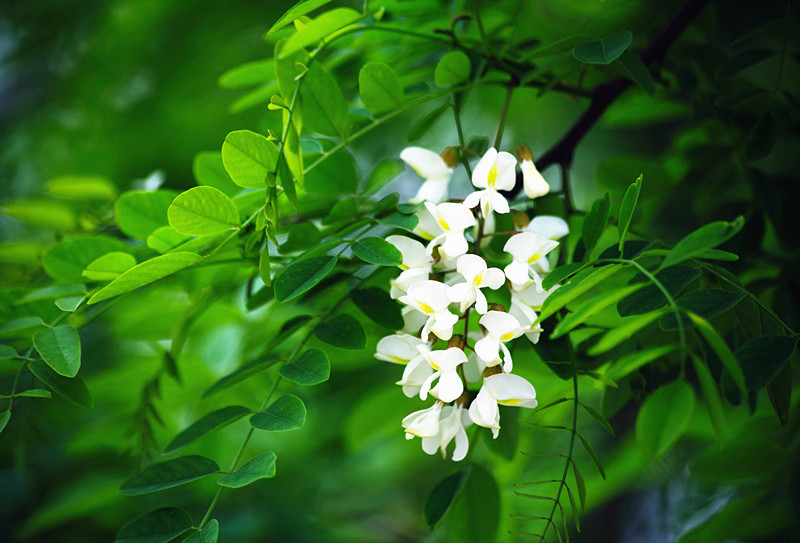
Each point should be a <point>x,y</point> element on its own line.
<point>444,282</point>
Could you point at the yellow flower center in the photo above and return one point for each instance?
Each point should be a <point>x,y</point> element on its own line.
<point>434,366</point>
<point>478,279</point>
<point>492,176</point>
<point>425,308</point>
<point>534,258</point>
<point>443,223</point>
<point>509,402</point>
<point>398,360</point>
<point>507,336</point>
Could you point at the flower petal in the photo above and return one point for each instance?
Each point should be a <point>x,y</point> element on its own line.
<point>548,226</point>
<point>498,202</point>
<point>494,278</point>
<point>425,162</point>
<point>533,183</point>
<point>480,175</point>
<point>432,190</point>
<point>469,266</point>
<point>455,244</point>
<point>450,386</point>
<point>414,255</point>
<point>506,171</point>
<point>432,294</point>
<point>509,389</point>
<point>487,348</point>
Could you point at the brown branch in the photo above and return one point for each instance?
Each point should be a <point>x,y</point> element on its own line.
<point>605,95</point>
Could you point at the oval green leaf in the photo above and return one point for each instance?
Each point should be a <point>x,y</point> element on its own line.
<point>379,87</point>
<point>603,51</point>
<point>319,28</point>
<point>109,266</point>
<point>205,425</point>
<point>202,211</point>
<point>442,496</point>
<point>702,239</point>
<point>325,110</point>
<point>638,72</point>
<point>342,331</point>
<point>239,375</point>
<point>300,276</point>
<point>138,213</point>
<point>375,250</point>
<point>169,474</point>
<point>66,260</point>
<point>626,210</point>
<point>298,10</point>
<point>286,413</point>
<point>376,304</point>
<point>248,158</point>
<point>311,368</point>
<point>706,302</point>
<point>649,298</point>
<point>144,274</point>
<point>209,534</point>
<point>73,389</point>
<point>157,526</point>
<point>621,332</point>
<point>664,417</point>
<point>260,467</point>
<point>595,222</point>
<point>82,187</point>
<point>475,514</point>
<point>60,348</point>
<point>454,68</point>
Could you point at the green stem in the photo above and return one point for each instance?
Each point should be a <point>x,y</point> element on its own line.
<point>457,117</point>
<point>498,137</point>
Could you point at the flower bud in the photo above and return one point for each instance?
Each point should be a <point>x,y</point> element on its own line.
<point>524,153</point>
<point>497,307</point>
<point>450,157</point>
<point>520,220</point>
<point>492,370</point>
<point>458,341</point>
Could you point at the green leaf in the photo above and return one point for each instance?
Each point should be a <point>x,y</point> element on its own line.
<point>139,213</point>
<point>264,268</point>
<point>762,358</point>
<point>336,175</point>
<point>386,170</point>
<point>248,74</point>
<point>300,276</point>
<point>441,497</point>
<point>324,107</point>
<point>145,273</point>
<point>649,298</point>
<point>638,72</point>
<point>7,352</point>
<point>5,416</point>
<point>81,187</point>
<point>248,158</point>
<point>166,239</point>
<point>21,326</point>
<point>54,291</point>
<point>595,222</point>
<point>599,417</point>
<point>298,10</point>
<point>707,302</point>
<point>260,467</point>
<point>664,417</point>
<point>637,359</point>
<point>343,210</point>
<point>592,455</point>
<point>475,514</point>
<point>626,210</point>
<point>379,87</point>
<point>70,303</point>
<point>169,474</point>
<point>239,375</point>
<point>375,250</point>
<point>60,348</point>
<point>590,308</point>
<point>603,51</point>
<point>285,413</point>
<point>311,368</point>
<point>398,220</point>
<point>34,393</point>
<point>301,237</point>
<point>319,28</point>
<point>560,273</point>
<point>207,424</point>
<point>109,266</point>
<point>743,61</point>
<point>159,526</point>
<point>454,68</point>
<point>621,332</point>
<point>67,259</point>
<point>209,534</point>
<point>73,389</point>
<point>722,351</point>
<point>574,507</point>
<point>209,171</point>
<point>342,331</point>
<point>779,391</point>
<point>702,239</point>
<point>576,286</point>
<point>202,211</point>
<point>45,213</point>
<point>425,123</point>
<point>376,304</point>
<point>712,398</point>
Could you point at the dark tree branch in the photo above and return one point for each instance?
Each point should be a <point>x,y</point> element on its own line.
<point>605,95</point>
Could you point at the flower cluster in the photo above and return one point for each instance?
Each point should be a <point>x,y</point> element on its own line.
<point>443,281</point>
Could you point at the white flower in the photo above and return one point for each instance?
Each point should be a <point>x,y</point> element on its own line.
<point>547,226</point>
<point>416,372</point>
<point>453,420</point>
<point>430,297</point>
<point>501,388</point>
<point>445,363</point>
<point>500,327</point>
<point>398,349</point>
<point>473,269</point>
<point>528,251</point>
<point>416,266</point>
<point>495,171</point>
<point>427,227</point>
<point>423,423</point>
<point>433,169</point>
<point>453,219</point>
<point>533,183</point>
<point>413,320</point>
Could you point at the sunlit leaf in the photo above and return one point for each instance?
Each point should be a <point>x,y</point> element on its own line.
<point>205,425</point>
<point>169,474</point>
<point>379,87</point>
<point>664,417</point>
<point>590,308</point>
<point>286,413</point>
<point>301,236</point>
<point>248,158</point>
<point>60,348</point>
<point>621,332</point>
<point>375,250</point>
<point>248,74</point>
<point>46,213</point>
<point>86,187</point>
<point>577,285</point>
<point>298,10</point>
<point>631,362</point>
<point>144,274</point>
<point>319,28</point>
<point>66,260</point>
<point>260,467</point>
<point>202,211</point>
<point>454,68</point>
<point>209,171</point>
<point>139,213</point>
<point>324,107</point>
<point>626,210</point>
<point>704,238</point>
<point>109,266</point>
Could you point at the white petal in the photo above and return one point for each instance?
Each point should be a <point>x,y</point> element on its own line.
<point>508,364</point>
<point>509,389</point>
<point>499,323</point>
<point>431,294</point>
<point>473,199</point>
<point>427,227</point>
<point>484,411</point>
<point>443,323</point>
<point>481,305</point>
<point>462,445</point>
<point>432,190</point>
<point>499,203</point>
<point>548,226</point>
<point>480,175</point>
<point>520,246</point>
<point>431,444</point>
<point>416,372</point>
<point>424,423</point>
<point>450,386</point>
<point>494,278</point>
<point>532,181</point>
<point>517,272</point>
<point>413,252</point>
<point>470,265</point>
<point>461,291</point>
<point>425,162</point>
<point>397,349</point>
<point>413,320</point>
<point>457,216</point>
<point>409,277</point>
<point>425,387</point>
<point>455,244</point>
<point>487,348</point>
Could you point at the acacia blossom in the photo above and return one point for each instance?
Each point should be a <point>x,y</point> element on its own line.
<point>501,388</point>
<point>500,327</point>
<point>445,363</point>
<point>547,226</point>
<point>423,423</point>
<point>416,266</point>
<point>430,298</point>
<point>495,171</point>
<point>474,270</point>
<point>434,169</point>
<point>529,263</point>
<point>453,219</point>
<point>453,421</point>
<point>533,183</point>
